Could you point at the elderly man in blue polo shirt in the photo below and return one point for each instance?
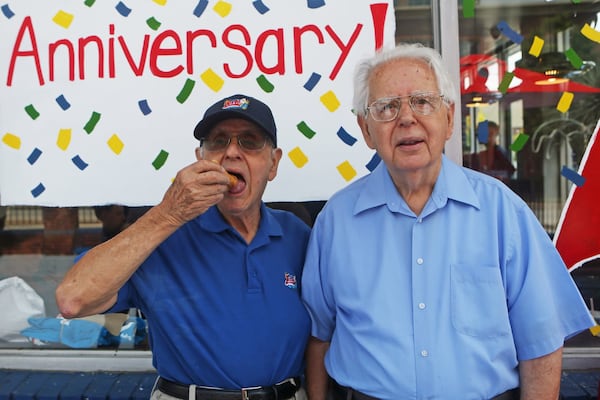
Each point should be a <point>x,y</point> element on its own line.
<point>424,279</point>
<point>215,272</point>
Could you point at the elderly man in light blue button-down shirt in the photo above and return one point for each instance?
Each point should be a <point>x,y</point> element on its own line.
<point>424,279</point>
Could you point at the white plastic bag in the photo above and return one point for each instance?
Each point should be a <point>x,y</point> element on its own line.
<point>18,302</point>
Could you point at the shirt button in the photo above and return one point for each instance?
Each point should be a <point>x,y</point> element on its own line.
<point>422,306</point>
<point>424,353</point>
<point>419,261</point>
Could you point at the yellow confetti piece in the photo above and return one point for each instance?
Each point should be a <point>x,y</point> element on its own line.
<point>536,47</point>
<point>590,33</point>
<point>595,330</point>
<point>12,141</point>
<point>298,157</point>
<point>63,18</point>
<point>330,101</point>
<point>222,8</point>
<point>115,144</point>
<point>64,139</point>
<point>481,117</point>
<point>212,80</point>
<point>346,170</point>
<point>565,102</point>
<point>160,2</point>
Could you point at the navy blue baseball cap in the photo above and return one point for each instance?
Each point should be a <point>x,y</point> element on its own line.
<point>238,106</point>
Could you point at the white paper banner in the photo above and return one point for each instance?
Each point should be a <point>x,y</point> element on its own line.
<point>99,98</point>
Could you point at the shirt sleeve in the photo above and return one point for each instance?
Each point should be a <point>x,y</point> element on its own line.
<point>314,283</point>
<point>545,305</point>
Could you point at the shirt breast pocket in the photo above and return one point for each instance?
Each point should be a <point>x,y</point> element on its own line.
<point>478,300</point>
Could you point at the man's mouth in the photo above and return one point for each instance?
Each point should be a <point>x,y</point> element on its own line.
<point>237,182</point>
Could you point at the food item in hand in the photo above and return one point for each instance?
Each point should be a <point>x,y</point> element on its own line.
<point>232,180</point>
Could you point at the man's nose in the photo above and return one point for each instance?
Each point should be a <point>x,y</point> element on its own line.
<point>233,146</point>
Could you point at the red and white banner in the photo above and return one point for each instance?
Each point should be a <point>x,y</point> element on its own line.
<point>577,236</point>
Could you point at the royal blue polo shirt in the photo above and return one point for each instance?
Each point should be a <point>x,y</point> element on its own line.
<point>221,312</point>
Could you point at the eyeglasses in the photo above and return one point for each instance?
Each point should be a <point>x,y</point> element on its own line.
<point>246,141</point>
<point>388,108</point>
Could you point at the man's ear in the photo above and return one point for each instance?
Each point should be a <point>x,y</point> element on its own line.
<point>199,154</point>
<point>450,116</point>
<point>364,127</point>
<point>276,155</point>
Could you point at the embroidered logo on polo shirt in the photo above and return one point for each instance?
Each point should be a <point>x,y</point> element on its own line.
<point>290,281</point>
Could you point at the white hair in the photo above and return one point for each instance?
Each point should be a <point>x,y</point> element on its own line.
<point>431,57</point>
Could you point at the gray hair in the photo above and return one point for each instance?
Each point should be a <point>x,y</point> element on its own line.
<point>417,51</point>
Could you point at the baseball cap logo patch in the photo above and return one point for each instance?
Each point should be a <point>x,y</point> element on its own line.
<point>238,106</point>
<point>236,103</point>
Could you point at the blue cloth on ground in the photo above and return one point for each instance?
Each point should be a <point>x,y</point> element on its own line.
<point>81,334</point>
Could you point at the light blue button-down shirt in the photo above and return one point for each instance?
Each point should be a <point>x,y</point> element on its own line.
<point>440,305</point>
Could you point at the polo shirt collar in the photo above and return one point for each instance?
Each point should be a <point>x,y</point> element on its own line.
<point>379,189</point>
<point>213,221</point>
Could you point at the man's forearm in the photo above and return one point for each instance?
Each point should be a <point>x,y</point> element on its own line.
<point>91,285</point>
<point>317,379</point>
<point>540,377</point>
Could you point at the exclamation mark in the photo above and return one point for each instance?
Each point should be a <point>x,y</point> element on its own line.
<point>378,12</point>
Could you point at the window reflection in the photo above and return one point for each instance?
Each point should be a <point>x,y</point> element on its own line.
<point>520,87</point>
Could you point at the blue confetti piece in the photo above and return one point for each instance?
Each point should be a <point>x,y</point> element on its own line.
<point>202,4</point>
<point>62,102</point>
<point>144,107</point>
<point>123,9</point>
<point>79,162</point>
<point>260,6</point>
<point>573,176</point>
<point>312,81</point>
<point>374,162</point>
<point>483,132</point>
<point>39,189</point>
<point>315,3</point>
<point>346,137</point>
<point>33,157</point>
<point>7,11</point>
<point>509,33</point>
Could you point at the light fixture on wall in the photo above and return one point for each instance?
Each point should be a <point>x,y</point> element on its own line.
<point>480,100</point>
<point>478,94</point>
<point>555,66</point>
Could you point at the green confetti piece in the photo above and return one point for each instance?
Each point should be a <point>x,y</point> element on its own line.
<point>32,112</point>
<point>574,58</point>
<point>264,84</point>
<point>186,90</point>
<point>468,7</point>
<point>89,3</point>
<point>153,23</point>
<point>91,124</point>
<point>305,129</point>
<point>160,159</point>
<point>519,142</point>
<point>576,1</point>
<point>506,79</point>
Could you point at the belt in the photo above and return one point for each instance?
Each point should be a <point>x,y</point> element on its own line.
<point>345,393</point>
<point>512,394</point>
<point>280,391</point>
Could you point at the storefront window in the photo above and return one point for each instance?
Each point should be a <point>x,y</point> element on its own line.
<point>516,64</point>
<point>542,67</point>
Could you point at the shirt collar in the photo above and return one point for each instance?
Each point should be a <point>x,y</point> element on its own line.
<point>213,221</point>
<point>379,189</point>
